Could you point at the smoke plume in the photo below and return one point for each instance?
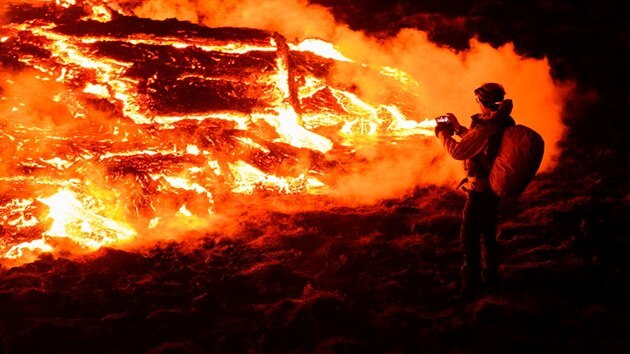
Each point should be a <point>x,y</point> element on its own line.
<point>446,80</point>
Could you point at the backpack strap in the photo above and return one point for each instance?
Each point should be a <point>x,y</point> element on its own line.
<point>494,143</point>
<point>480,165</point>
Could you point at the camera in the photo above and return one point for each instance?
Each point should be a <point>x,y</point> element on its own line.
<point>441,119</point>
<point>443,124</point>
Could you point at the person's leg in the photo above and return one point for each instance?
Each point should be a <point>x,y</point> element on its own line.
<point>489,246</point>
<point>470,242</point>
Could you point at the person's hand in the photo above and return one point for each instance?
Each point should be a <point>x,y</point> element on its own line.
<point>454,122</point>
<point>445,129</point>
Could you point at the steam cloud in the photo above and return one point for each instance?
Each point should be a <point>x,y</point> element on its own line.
<point>446,80</point>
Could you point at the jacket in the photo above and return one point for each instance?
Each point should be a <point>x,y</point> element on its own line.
<point>478,147</point>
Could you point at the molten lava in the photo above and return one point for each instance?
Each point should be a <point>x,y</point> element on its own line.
<point>115,125</point>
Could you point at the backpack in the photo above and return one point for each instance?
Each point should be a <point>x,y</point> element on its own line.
<point>517,161</point>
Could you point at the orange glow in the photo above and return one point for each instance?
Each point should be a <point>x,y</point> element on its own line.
<point>73,220</point>
<point>66,3</point>
<point>248,179</point>
<point>100,13</point>
<point>320,47</point>
<point>19,250</point>
<point>113,133</point>
<point>97,90</point>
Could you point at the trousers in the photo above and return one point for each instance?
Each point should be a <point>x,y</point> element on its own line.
<point>478,240</point>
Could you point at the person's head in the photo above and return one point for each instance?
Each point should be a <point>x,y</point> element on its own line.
<point>489,96</point>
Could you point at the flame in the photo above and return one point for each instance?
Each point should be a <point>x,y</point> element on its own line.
<point>66,3</point>
<point>293,133</point>
<point>100,13</point>
<point>19,250</point>
<point>248,179</point>
<point>322,48</point>
<point>97,90</point>
<point>401,126</point>
<point>73,220</point>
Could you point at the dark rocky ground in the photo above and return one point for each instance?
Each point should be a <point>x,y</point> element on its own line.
<point>371,279</point>
<point>382,278</point>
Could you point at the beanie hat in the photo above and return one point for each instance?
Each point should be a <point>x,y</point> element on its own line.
<point>490,94</point>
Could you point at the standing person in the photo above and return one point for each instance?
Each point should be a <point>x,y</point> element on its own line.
<point>478,147</point>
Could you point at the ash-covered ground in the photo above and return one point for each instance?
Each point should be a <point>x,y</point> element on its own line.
<point>382,278</point>
<point>370,279</point>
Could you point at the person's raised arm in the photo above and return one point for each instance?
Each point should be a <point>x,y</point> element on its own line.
<point>473,141</point>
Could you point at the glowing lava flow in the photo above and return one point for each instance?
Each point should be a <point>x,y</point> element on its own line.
<point>171,118</point>
<point>72,220</point>
<point>20,250</point>
<point>321,48</point>
<point>286,121</point>
<point>249,178</point>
